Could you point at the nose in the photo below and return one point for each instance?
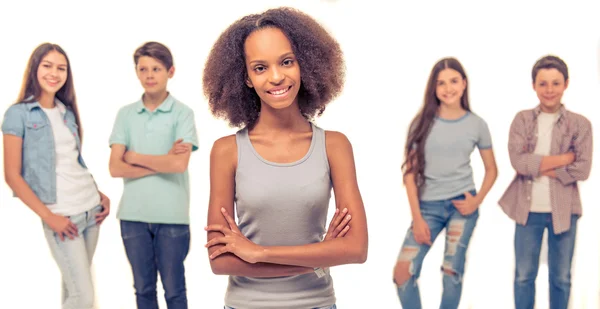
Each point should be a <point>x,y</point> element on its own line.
<point>276,76</point>
<point>54,71</point>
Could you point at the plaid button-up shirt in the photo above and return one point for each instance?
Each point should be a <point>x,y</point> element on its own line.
<point>571,133</point>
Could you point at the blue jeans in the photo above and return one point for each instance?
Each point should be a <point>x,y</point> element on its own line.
<point>528,242</point>
<point>327,307</point>
<point>438,215</point>
<point>153,248</point>
<point>74,259</point>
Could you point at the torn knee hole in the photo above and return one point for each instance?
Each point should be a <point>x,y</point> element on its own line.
<point>449,272</point>
<point>455,232</point>
<point>408,253</point>
<point>456,228</point>
<point>402,272</point>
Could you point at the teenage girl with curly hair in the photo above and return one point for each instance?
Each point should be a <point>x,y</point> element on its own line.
<point>270,74</point>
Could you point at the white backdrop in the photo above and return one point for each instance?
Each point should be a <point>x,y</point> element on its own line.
<point>390,49</point>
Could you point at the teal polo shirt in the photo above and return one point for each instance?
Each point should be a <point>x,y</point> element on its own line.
<point>159,198</point>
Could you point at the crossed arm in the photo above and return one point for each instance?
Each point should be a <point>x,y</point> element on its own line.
<point>568,167</point>
<point>232,253</point>
<point>130,164</point>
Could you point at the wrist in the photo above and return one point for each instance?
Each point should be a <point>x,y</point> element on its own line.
<point>417,217</point>
<point>568,158</point>
<point>133,158</point>
<point>263,255</point>
<point>46,215</point>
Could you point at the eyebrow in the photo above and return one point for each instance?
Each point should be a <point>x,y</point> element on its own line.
<point>290,53</point>
<point>453,78</point>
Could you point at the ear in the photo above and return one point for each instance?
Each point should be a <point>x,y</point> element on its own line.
<point>566,84</point>
<point>171,71</point>
<point>249,83</point>
<point>464,83</point>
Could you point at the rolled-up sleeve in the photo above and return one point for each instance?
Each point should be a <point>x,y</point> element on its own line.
<point>582,147</point>
<point>524,162</point>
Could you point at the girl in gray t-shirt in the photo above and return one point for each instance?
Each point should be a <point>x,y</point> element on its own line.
<point>270,74</point>
<point>439,182</point>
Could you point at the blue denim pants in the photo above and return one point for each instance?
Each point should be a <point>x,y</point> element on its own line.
<point>439,215</point>
<point>328,307</point>
<point>157,248</point>
<point>528,242</point>
<point>74,259</point>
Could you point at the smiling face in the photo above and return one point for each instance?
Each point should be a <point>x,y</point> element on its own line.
<point>272,68</point>
<point>52,73</point>
<point>549,85</point>
<point>450,87</point>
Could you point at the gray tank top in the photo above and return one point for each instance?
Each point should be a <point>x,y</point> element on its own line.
<point>282,204</point>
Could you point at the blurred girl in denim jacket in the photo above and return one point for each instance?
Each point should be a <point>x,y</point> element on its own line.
<point>44,168</point>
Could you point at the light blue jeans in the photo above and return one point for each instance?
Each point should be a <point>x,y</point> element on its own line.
<point>528,243</point>
<point>74,259</point>
<point>439,215</point>
<point>327,307</point>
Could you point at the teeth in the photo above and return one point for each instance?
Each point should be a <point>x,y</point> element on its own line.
<point>278,92</point>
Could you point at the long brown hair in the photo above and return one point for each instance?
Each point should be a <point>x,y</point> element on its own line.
<point>420,126</point>
<point>31,89</point>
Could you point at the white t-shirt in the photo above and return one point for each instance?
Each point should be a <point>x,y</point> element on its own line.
<point>76,191</point>
<point>540,190</point>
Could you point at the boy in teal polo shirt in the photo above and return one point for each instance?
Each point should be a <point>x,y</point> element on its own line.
<point>151,142</point>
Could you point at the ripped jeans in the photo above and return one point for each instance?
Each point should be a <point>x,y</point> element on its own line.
<point>438,215</point>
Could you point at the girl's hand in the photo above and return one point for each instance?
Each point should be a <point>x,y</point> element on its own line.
<point>62,226</point>
<point>421,231</point>
<point>105,202</point>
<point>235,242</point>
<point>468,205</point>
<point>338,227</point>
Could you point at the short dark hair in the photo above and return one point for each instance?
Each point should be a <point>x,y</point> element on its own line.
<point>155,50</point>
<point>550,62</point>
<point>319,56</point>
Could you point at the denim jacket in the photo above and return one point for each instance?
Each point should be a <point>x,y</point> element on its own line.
<point>38,167</point>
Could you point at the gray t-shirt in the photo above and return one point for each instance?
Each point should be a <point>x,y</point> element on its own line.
<point>282,204</point>
<point>448,149</point>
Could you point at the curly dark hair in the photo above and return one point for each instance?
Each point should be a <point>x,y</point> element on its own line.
<point>319,56</point>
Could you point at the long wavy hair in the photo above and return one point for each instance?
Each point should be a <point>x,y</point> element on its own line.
<point>31,89</point>
<point>414,154</point>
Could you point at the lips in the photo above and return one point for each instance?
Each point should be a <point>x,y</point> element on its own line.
<point>280,91</point>
<point>52,83</point>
